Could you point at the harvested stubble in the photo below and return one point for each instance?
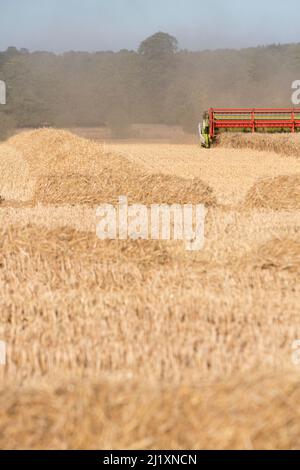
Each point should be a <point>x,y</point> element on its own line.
<point>67,169</point>
<point>261,413</point>
<point>281,193</point>
<point>229,235</point>
<point>16,180</point>
<point>73,305</point>
<point>142,338</point>
<point>139,188</point>
<point>280,255</point>
<point>284,144</point>
<point>230,172</point>
<point>67,242</point>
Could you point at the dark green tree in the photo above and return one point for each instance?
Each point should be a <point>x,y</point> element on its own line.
<point>157,71</point>
<point>158,47</point>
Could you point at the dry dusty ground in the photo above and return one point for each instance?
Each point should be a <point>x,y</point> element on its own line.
<point>143,344</point>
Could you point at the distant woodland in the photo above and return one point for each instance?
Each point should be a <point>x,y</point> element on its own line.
<point>157,84</point>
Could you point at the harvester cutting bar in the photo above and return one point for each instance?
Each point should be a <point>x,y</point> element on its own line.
<point>277,119</point>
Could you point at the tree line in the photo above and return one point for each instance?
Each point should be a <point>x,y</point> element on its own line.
<point>157,84</point>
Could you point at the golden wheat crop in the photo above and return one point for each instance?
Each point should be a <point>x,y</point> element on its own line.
<point>141,344</point>
<point>285,144</point>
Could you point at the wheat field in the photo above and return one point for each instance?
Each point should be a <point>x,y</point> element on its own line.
<point>142,344</point>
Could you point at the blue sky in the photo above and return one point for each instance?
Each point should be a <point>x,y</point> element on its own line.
<point>61,25</point>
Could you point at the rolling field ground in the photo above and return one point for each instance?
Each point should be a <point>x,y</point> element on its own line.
<point>143,344</point>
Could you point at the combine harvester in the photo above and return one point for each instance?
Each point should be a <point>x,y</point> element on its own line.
<point>253,120</point>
